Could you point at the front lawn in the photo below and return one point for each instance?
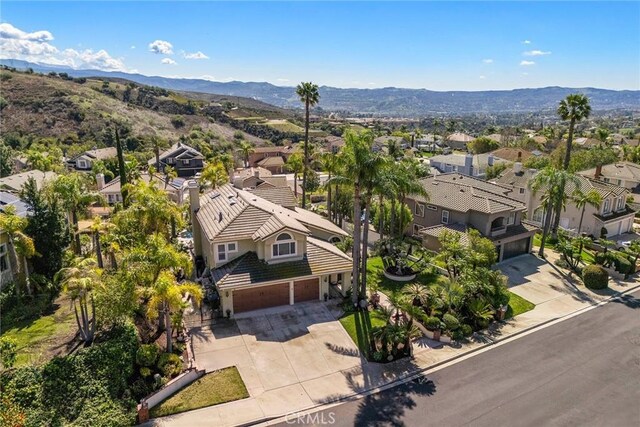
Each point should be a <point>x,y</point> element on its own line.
<point>39,339</point>
<point>375,277</point>
<point>213,388</point>
<point>517,305</point>
<point>359,324</point>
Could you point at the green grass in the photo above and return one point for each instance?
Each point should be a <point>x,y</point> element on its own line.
<point>214,388</point>
<point>587,257</point>
<point>375,277</point>
<point>537,239</point>
<point>517,305</point>
<point>359,324</point>
<point>39,339</point>
<point>284,126</point>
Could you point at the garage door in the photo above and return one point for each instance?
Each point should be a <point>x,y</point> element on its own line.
<point>306,290</point>
<point>263,297</point>
<point>516,248</point>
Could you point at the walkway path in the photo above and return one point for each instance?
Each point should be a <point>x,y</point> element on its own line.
<point>557,296</point>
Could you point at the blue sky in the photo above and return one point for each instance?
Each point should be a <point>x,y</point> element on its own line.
<point>433,45</point>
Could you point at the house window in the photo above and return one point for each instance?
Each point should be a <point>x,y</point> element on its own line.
<point>538,215</point>
<point>511,219</point>
<point>607,206</point>
<point>445,217</point>
<point>185,162</point>
<point>432,208</point>
<point>170,160</point>
<point>284,246</point>
<point>419,210</point>
<point>225,248</point>
<point>521,190</point>
<point>82,164</point>
<point>4,264</point>
<point>607,180</point>
<point>620,205</point>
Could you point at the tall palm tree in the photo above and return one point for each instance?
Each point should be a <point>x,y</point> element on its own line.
<point>309,96</point>
<point>98,227</point>
<point>73,190</point>
<point>245,148</point>
<point>79,280</point>
<point>602,135</point>
<point>20,245</point>
<point>122,168</point>
<point>295,164</point>
<point>581,200</point>
<point>170,174</point>
<point>329,164</point>
<point>167,296</point>
<point>551,182</point>
<point>214,175</point>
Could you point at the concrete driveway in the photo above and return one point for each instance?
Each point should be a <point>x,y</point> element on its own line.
<point>277,347</point>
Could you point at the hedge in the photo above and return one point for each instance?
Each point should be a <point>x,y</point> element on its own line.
<point>595,277</point>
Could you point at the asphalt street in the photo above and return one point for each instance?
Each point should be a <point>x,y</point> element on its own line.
<point>584,371</point>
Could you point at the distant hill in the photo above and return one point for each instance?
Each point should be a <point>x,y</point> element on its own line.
<point>388,101</point>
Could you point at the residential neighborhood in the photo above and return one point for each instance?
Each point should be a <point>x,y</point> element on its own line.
<point>211,216</point>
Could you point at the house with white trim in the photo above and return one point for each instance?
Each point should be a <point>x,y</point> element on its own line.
<point>84,161</point>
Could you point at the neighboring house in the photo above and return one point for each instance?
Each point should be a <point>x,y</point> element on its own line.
<point>613,213</point>
<point>587,142</point>
<point>466,164</point>
<point>457,202</point>
<point>624,174</point>
<point>271,158</point>
<point>259,177</point>
<point>7,270</point>
<point>458,141</point>
<point>261,254</point>
<point>380,143</point>
<point>512,154</point>
<point>176,188</point>
<point>186,161</point>
<point>84,161</point>
<point>332,144</point>
<point>15,183</point>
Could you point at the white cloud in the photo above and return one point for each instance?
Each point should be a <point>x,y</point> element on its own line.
<point>526,42</point>
<point>161,47</point>
<point>196,55</point>
<point>132,47</point>
<point>488,61</point>
<point>35,47</point>
<point>169,61</point>
<point>482,77</point>
<point>527,63</point>
<point>536,53</point>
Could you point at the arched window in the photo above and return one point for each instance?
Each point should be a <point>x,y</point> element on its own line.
<point>284,246</point>
<point>335,239</point>
<point>538,215</point>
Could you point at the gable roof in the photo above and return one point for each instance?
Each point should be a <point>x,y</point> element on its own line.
<point>512,154</point>
<point>228,212</point>
<point>272,161</point>
<point>101,153</point>
<point>621,170</point>
<point>460,137</point>
<point>321,258</point>
<point>462,193</point>
<point>16,182</point>
<point>519,179</point>
<point>178,150</point>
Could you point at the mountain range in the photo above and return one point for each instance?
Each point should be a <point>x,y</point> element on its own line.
<point>388,101</point>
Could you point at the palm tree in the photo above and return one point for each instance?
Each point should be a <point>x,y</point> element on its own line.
<point>170,174</point>
<point>309,96</point>
<point>295,164</point>
<point>214,175</point>
<point>167,296</point>
<point>122,169</point>
<point>581,200</point>
<point>20,245</point>
<point>602,135</point>
<point>329,164</point>
<point>417,134</point>
<point>417,293</point>
<point>79,280</point>
<point>405,176</point>
<point>552,182</point>
<point>245,148</point>
<point>98,227</point>
<point>73,190</point>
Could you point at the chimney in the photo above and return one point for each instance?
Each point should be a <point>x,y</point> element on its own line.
<point>490,159</point>
<point>194,207</point>
<point>517,167</point>
<point>256,173</point>
<point>468,164</point>
<point>100,181</point>
<point>598,172</point>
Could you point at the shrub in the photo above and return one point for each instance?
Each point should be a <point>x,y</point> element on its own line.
<point>177,122</point>
<point>622,265</point>
<point>432,323</point>
<point>450,322</point>
<point>595,277</point>
<point>145,372</point>
<point>7,352</point>
<point>466,330</point>
<point>147,355</point>
<point>170,364</point>
<point>457,335</point>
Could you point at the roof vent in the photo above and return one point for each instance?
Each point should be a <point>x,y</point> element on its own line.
<point>219,216</point>
<point>214,195</point>
<point>230,196</point>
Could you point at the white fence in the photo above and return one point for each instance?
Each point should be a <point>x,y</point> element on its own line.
<point>173,386</point>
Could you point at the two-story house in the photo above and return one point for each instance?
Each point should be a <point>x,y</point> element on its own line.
<point>84,161</point>
<point>261,254</point>
<point>186,161</point>
<point>176,188</point>
<point>271,158</point>
<point>7,268</point>
<point>624,174</point>
<point>613,213</point>
<point>466,164</point>
<point>457,202</point>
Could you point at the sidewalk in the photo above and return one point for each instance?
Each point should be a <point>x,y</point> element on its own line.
<point>555,300</point>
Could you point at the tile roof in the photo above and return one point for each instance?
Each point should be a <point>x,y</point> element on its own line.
<point>512,154</point>
<point>251,172</point>
<point>114,186</point>
<point>460,137</point>
<point>520,179</point>
<point>102,153</point>
<point>321,258</point>
<point>620,170</point>
<point>231,213</point>
<point>437,230</point>
<point>282,196</point>
<point>462,193</point>
<point>271,161</point>
<point>17,181</point>
<point>175,148</point>
<point>457,159</point>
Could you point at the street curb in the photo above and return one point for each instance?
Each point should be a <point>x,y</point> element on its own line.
<point>418,373</point>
